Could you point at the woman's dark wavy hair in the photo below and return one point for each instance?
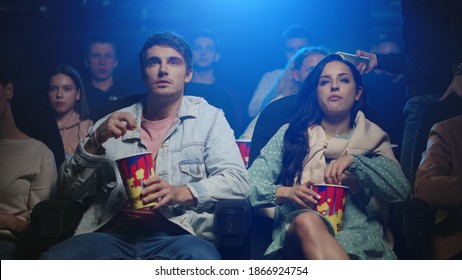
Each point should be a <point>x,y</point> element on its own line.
<point>308,112</point>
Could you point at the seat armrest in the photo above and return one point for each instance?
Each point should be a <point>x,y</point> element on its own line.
<point>232,221</point>
<point>52,221</point>
<point>412,223</point>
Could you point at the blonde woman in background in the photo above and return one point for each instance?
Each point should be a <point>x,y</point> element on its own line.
<point>290,79</point>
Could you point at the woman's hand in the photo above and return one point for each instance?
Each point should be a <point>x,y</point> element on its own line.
<point>302,195</point>
<point>6,221</point>
<point>12,223</point>
<point>333,174</point>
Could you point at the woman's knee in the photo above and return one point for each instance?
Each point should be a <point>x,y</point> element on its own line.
<point>308,224</point>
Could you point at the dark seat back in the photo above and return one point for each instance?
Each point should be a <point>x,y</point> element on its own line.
<point>275,115</point>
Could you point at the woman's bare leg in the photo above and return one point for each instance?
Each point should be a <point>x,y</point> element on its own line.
<point>308,238</point>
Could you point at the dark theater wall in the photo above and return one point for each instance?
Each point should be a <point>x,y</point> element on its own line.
<point>38,35</point>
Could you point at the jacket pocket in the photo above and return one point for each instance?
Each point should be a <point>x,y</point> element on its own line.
<point>193,169</point>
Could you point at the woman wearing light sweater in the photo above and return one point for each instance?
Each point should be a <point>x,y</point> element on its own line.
<point>28,175</point>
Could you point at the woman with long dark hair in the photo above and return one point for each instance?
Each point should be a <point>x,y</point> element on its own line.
<point>66,96</point>
<point>329,140</point>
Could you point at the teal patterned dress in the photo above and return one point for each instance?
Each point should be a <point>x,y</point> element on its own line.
<point>362,230</point>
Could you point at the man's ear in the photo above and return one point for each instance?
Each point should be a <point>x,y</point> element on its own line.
<point>188,76</point>
<point>9,91</point>
<point>116,63</point>
<point>87,64</point>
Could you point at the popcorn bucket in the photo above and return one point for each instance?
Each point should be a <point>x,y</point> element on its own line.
<point>244,148</point>
<point>133,170</point>
<point>332,203</point>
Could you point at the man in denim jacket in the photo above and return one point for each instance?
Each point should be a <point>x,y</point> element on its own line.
<point>196,163</point>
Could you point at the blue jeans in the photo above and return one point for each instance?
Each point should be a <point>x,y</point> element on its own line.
<point>110,246</point>
<point>413,112</point>
<point>9,249</point>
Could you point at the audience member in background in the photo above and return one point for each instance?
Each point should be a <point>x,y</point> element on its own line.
<point>432,44</point>
<point>294,38</point>
<point>290,80</point>
<point>28,175</point>
<point>328,140</point>
<point>439,181</point>
<point>196,162</point>
<point>298,68</point>
<point>387,93</point>
<point>67,98</point>
<point>205,82</point>
<point>102,87</point>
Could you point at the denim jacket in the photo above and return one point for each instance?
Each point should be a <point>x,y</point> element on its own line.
<point>199,151</point>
